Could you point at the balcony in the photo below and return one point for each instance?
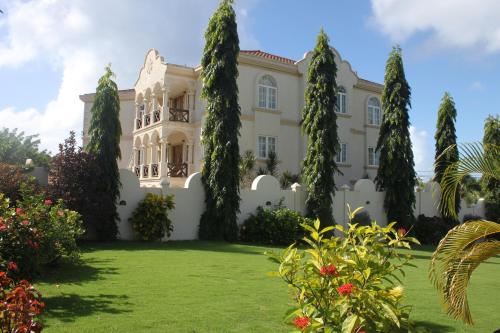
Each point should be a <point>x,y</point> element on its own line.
<point>179,115</point>
<point>156,116</point>
<point>155,170</point>
<point>177,169</point>
<point>137,171</point>
<point>145,171</point>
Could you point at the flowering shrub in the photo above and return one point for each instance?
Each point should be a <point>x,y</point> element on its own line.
<point>273,226</point>
<point>150,219</point>
<point>37,232</point>
<point>20,304</point>
<point>347,284</point>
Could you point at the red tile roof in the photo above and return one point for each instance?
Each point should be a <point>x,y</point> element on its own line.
<point>266,55</point>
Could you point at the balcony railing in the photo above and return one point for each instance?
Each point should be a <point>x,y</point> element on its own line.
<point>147,120</point>
<point>156,116</point>
<point>154,170</point>
<point>178,115</point>
<point>138,123</point>
<point>177,169</point>
<point>137,171</point>
<point>145,171</point>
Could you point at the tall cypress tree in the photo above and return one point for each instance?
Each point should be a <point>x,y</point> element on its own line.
<point>220,174</point>
<point>445,137</point>
<point>396,174</point>
<point>491,186</point>
<point>319,123</point>
<point>105,131</point>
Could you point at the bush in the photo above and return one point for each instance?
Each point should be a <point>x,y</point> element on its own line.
<point>277,226</point>
<point>37,232</point>
<point>20,304</point>
<point>362,218</point>
<point>150,219</point>
<point>347,284</point>
<point>11,178</point>
<point>287,179</point>
<point>430,230</point>
<point>75,176</point>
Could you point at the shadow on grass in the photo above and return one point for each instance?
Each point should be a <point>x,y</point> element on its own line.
<point>427,326</point>
<point>77,273</point>
<point>69,307</point>
<point>239,248</point>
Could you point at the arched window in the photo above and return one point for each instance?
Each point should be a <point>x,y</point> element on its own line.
<point>373,111</point>
<point>341,100</point>
<point>267,92</point>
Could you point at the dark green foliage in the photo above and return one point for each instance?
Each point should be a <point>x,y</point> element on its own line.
<point>16,148</point>
<point>490,185</point>
<point>272,164</point>
<point>470,189</point>
<point>277,226</point>
<point>287,179</point>
<point>105,132</point>
<point>396,174</point>
<point>445,137</point>
<point>362,218</point>
<point>220,174</point>
<point>319,123</point>
<point>150,219</point>
<point>430,230</point>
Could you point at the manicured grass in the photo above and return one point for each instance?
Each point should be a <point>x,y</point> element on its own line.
<point>214,287</point>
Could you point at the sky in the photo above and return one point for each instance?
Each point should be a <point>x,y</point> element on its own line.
<point>51,51</point>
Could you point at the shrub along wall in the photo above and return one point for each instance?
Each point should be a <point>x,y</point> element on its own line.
<point>265,192</point>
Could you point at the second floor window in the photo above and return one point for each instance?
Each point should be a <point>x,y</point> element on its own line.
<point>268,92</point>
<point>342,155</point>
<point>373,156</point>
<point>267,144</point>
<point>373,111</point>
<point>341,100</point>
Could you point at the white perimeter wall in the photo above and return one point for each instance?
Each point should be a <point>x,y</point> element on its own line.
<point>265,191</point>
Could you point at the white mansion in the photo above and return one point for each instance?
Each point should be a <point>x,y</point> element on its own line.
<point>162,117</point>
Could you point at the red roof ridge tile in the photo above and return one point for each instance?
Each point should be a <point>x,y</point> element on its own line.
<point>267,55</point>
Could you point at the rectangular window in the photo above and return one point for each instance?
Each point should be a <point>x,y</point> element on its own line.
<point>373,156</point>
<point>272,98</point>
<point>266,144</point>
<point>342,155</point>
<point>262,97</point>
<point>373,115</point>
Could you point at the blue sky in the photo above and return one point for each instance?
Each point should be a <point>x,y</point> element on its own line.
<point>52,50</point>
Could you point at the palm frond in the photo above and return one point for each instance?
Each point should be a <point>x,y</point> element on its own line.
<point>472,160</point>
<point>458,254</point>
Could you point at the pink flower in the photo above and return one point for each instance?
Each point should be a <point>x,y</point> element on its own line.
<point>402,232</point>
<point>3,227</point>
<point>25,222</point>
<point>345,289</point>
<point>47,202</point>
<point>20,211</point>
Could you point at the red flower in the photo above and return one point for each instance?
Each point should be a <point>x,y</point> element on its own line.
<point>301,322</point>
<point>329,270</point>
<point>19,211</point>
<point>402,232</point>
<point>3,227</point>
<point>25,222</point>
<point>47,202</point>
<point>345,289</point>
<point>12,266</point>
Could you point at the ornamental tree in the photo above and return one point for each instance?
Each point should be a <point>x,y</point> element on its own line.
<point>490,185</point>
<point>220,174</point>
<point>319,123</point>
<point>16,147</point>
<point>445,137</point>
<point>396,174</point>
<point>105,132</point>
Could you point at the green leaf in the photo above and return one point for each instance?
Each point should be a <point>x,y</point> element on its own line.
<point>348,324</point>
<point>390,314</point>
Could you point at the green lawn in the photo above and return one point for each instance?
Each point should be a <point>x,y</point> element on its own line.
<point>214,287</point>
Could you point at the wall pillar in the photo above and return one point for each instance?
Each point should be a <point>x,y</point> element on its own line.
<point>165,111</point>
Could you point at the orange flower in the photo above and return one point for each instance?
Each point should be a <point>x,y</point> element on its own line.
<point>329,270</point>
<point>345,289</point>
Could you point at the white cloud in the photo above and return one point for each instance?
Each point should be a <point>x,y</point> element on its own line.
<point>80,37</point>
<point>477,86</point>
<point>450,23</point>
<point>423,151</point>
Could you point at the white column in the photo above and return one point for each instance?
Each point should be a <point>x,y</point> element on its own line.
<point>164,115</point>
<point>153,102</point>
<point>164,160</point>
<point>191,105</point>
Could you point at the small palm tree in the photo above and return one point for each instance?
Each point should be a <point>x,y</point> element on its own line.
<point>466,246</point>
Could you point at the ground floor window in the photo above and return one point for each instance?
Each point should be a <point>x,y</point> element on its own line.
<point>266,145</point>
<point>342,155</point>
<point>373,156</point>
